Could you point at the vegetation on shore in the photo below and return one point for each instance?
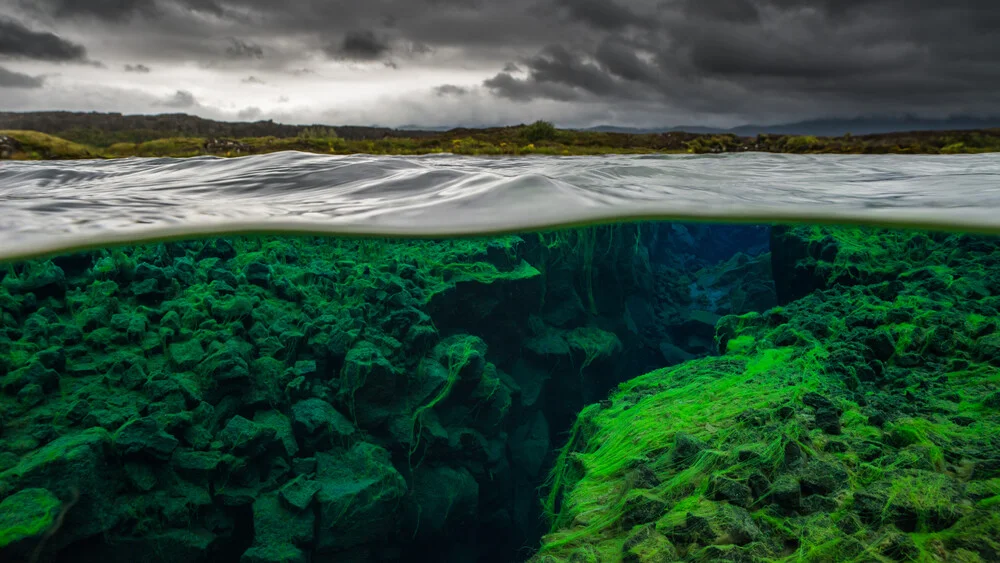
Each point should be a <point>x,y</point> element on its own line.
<point>537,138</point>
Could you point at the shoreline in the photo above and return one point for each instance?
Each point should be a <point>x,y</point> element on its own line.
<point>533,139</point>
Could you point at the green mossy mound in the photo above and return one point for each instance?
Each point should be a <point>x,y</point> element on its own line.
<point>858,422</point>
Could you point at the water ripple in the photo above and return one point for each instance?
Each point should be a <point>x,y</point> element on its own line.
<point>50,207</point>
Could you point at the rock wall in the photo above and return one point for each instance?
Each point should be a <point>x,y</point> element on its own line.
<point>857,422</point>
<point>294,399</point>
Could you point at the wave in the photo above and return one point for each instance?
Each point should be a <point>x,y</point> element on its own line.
<point>56,206</point>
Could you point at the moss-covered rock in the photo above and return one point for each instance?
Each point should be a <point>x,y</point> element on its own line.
<point>845,425</point>
<point>27,514</point>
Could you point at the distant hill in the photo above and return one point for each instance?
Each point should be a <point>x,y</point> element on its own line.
<point>146,127</point>
<point>828,127</point>
<point>88,127</point>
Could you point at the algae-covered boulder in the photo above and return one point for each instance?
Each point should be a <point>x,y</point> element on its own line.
<point>369,383</point>
<point>280,533</point>
<point>318,424</point>
<point>359,492</point>
<point>246,437</point>
<point>648,546</point>
<point>144,436</point>
<point>77,469</point>
<point>27,514</point>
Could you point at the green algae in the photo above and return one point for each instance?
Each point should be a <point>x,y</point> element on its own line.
<point>329,393</point>
<point>823,431</point>
<point>290,397</point>
<point>26,514</point>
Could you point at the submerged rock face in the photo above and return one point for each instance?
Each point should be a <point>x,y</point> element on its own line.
<point>295,399</point>
<point>303,399</point>
<point>254,400</point>
<point>856,422</point>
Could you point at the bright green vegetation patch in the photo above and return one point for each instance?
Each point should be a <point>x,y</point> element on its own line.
<point>36,146</point>
<point>29,513</point>
<point>860,422</point>
<point>537,138</point>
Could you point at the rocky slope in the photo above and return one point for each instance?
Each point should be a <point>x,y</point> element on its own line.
<point>292,399</point>
<point>174,125</point>
<point>857,422</point>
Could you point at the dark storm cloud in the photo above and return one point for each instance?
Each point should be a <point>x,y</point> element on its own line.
<point>18,41</point>
<point>603,14</point>
<point>740,58</point>
<point>504,85</point>
<point>358,46</point>
<point>140,69</point>
<point>107,10</point>
<point>560,74</point>
<point>729,56</point>
<point>238,49</point>
<point>204,6</point>
<point>620,60</point>
<point>118,10</point>
<point>11,79</point>
<point>722,10</point>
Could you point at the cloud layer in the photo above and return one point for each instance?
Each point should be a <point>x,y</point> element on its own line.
<point>447,62</point>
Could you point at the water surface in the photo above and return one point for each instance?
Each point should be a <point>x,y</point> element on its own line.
<point>57,206</point>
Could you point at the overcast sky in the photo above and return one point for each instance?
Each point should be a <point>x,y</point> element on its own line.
<point>483,62</point>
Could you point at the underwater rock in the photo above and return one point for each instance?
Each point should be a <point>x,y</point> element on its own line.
<point>26,515</point>
<point>868,343</point>
<point>43,279</point>
<point>144,436</point>
<point>686,449</point>
<point>299,492</point>
<point>75,469</point>
<point>642,509</point>
<point>822,478</point>
<point>723,524</point>
<point>828,420</point>
<point>317,422</point>
<point>229,370</point>
<point>369,382</point>
<point>35,373</point>
<point>648,546</point>
<point>283,430</point>
<point>359,491</point>
<point>245,437</point>
<point>786,493</point>
<point>186,355</point>
<point>279,532</point>
<point>732,491</point>
<point>195,465</point>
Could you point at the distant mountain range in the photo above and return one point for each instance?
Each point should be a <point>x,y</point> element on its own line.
<point>829,127</point>
<point>55,122</point>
